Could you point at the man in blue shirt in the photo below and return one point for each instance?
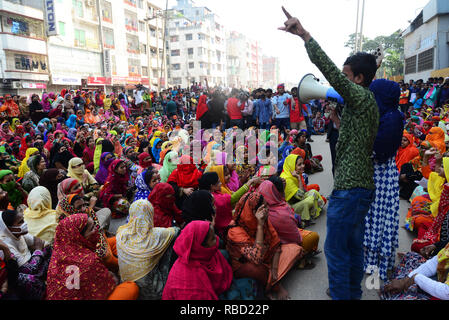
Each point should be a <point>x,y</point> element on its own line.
<point>263,111</point>
<point>281,109</point>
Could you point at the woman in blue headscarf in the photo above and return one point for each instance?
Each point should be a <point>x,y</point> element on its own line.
<point>285,154</point>
<point>72,134</point>
<point>71,122</point>
<point>382,221</point>
<point>156,150</point>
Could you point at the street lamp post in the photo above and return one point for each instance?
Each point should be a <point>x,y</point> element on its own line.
<point>361,26</point>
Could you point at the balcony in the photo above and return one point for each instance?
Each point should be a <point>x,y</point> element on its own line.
<point>13,42</point>
<point>90,20</point>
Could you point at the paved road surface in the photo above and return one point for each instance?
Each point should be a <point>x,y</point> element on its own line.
<point>312,284</point>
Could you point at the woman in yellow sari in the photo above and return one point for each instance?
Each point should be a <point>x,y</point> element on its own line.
<point>24,166</point>
<point>306,202</point>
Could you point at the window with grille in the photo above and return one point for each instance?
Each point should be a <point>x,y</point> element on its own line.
<point>410,65</point>
<point>425,60</point>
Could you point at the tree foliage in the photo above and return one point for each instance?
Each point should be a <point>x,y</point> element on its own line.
<point>393,45</point>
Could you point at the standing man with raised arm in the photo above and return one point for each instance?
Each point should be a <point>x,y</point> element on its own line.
<point>354,184</point>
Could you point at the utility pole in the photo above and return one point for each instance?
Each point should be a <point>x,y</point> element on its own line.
<point>164,57</point>
<point>361,26</point>
<point>356,40</point>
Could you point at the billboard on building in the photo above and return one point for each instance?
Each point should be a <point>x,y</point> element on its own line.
<point>51,25</point>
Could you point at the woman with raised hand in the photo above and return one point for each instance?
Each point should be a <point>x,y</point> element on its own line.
<point>255,247</point>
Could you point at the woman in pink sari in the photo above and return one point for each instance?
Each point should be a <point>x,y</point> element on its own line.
<point>282,217</point>
<point>201,272</point>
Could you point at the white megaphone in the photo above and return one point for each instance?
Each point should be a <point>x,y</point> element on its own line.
<point>310,89</point>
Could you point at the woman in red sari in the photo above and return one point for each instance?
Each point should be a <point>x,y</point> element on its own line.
<point>76,239</point>
<point>186,175</point>
<point>165,210</point>
<point>113,192</point>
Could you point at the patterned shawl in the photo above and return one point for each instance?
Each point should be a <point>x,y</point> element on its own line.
<point>73,252</point>
<point>140,245</point>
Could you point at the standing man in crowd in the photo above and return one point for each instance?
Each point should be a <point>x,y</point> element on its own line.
<point>354,183</point>
<point>282,109</point>
<point>234,110</point>
<point>263,111</point>
<point>297,120</point>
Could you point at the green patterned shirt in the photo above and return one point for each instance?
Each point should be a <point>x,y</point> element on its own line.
<point>358,129</point>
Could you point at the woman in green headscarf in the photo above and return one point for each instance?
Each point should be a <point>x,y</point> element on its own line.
<point>16,194</point>
<point>170,164</point>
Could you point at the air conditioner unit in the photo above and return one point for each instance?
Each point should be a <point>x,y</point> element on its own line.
<point>16,85</point>
<point>447,37</point>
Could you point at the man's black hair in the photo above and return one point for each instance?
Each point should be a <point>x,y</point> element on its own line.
<point>365,64</point>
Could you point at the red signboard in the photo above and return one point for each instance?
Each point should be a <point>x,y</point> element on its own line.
<point>94,81</point>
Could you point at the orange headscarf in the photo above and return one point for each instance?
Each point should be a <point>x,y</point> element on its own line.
<point>436,138</point>
<point>406,154</point>
<point>300,152</point>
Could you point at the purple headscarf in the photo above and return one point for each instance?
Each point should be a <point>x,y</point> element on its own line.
<point>103,172</point>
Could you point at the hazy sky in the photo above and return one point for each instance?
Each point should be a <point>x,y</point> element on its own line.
<point>329,22</point>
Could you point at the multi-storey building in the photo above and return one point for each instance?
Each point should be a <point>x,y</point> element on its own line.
<point>245,63</point>
<point>96,44</point>
<point>426,43</point>
<point>197,46</point>
<point>271,72</point>
<point>24,67</point>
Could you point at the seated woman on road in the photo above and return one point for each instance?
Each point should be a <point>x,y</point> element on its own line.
<point>165,210</point>
<point>145,253</point>
<point>169,165</point>
<point>39,216</point>
<point>282,217</point>
<point>16,194</point>
<point>424,208</point>
<point>201,272</point>
<point>184,179</point>
<point>213,182</point>
<point>433,236</point>
<point>31,253</point>
<point>75,243</point>
<point>255,248</point>
<point>145,183</point>
<point>113,194</point>
<point>77,170</point>
<point>31,179</point>
<point>312,163</point>
<point>418,279</point>
<point>307,202</point>
<point>105,161</point>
